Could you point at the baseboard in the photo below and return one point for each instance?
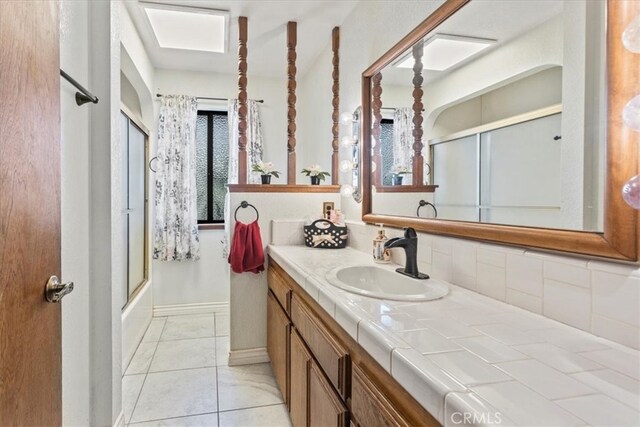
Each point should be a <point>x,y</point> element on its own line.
<point>181,309</point>
<point>248,357</point>
<point>120,420</point>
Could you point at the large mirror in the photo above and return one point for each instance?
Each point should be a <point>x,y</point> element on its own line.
<point>491,116</point>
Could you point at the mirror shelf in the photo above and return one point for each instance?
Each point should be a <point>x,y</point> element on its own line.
<point>617,235</point>
<point>406,188</point>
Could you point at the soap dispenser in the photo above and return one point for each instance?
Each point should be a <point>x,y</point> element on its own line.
<point>381,254</point>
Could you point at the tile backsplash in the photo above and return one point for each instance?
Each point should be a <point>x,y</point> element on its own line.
<point>599,297</point>
<point>596,296</point>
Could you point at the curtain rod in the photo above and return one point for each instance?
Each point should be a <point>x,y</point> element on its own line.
<point>212,99</point>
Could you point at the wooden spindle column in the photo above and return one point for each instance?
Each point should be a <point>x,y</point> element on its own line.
<point>335,116</point>
<point>376,129</point>
<point>292,40</point>
<point>242,99</point>
<point>418,160</point>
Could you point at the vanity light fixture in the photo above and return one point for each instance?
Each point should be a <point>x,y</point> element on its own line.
<point>188,28</point>
<point>346,118</point>
<point>347,141</point>
<point>443,51</point>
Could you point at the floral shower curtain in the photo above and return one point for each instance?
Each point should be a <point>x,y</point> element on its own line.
<point>254,140</point>
<point>176,225</point>
<point>403,138</point>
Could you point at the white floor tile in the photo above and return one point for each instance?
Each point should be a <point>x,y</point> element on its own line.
<point>247,386</point>
<point>177,393</point>
<point>154,330</point>
<point>559,358</point>
<point>600,410</point>
<point>266,416</point>
<point>222,325</point>
<point>222,351</point>
<point>547,381</point>
<point>184,354</point>
<point>206,420</point>
<point>141,358</point>
<point>131,386</point>
<point>613,384</point>
<point>525,407</point>
<point>183,327</point>
<point>467,368</point>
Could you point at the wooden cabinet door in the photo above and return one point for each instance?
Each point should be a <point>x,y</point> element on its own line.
<point>300,359</point>
<point>325,407</point>
<point>369,406</point>
<point>278,327</point>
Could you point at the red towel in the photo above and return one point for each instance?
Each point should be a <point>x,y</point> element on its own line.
<point>246,252</point>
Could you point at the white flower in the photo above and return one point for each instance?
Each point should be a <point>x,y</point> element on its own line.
<point>400,169</point>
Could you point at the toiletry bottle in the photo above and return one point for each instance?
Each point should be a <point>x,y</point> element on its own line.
<point>380,253</point>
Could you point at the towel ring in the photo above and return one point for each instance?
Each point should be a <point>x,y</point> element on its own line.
<point>425,203</point>
<point>244,205</point>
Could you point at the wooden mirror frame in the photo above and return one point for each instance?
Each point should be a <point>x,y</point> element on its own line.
<point>620,239</point>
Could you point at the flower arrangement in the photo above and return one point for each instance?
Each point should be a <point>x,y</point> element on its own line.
<point>265,169</point>
<point>314,171</point>
<point>400,170</point>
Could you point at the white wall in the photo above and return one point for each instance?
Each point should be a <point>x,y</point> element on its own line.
<point>248,304</point>
<point>91,242</point>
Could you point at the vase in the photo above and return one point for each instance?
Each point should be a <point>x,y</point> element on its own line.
<point>396,180</point>
<point>266,179</point>
<point>315,180</point>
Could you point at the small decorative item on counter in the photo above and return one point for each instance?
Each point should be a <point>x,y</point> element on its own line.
<point>316,174</point>
<point>324,234</point>
<point>397,172</point>
<point>381,254</point>
<point>266,170</point>
<point>336,217</point>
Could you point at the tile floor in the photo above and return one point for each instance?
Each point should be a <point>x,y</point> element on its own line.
<point>179,376</point>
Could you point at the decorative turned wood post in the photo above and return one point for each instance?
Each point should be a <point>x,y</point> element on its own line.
<point>335,116</point>
<point>292,40</point>
<point>418,160</point>
<point>242,100</point>
<point>376,129</point>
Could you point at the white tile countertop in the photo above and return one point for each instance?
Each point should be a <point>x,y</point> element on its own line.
<point>472,360</point>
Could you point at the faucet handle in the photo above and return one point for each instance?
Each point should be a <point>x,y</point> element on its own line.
<point>410,233</point>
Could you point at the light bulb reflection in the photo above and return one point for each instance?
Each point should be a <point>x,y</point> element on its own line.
<point>346,118</point>
<point>347,141</point>
<point>631,113</point>
<point>631,36</point>
<point>346,165</point>
<point>346,190</point>
<point>373,166</point>
<point>631,192</point>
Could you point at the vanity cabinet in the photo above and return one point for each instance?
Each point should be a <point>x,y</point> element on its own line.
<point>326,378</point>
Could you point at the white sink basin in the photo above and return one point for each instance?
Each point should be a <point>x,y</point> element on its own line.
<point>386,283</point>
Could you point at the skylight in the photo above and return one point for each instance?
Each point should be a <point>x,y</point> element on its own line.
<point>188,28</point>
<point>444,51</point>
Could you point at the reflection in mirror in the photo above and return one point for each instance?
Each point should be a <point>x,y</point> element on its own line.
<point>356,178</point>
<point>511,126</point>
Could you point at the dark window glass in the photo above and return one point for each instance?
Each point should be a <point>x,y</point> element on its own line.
<point>386,149</point>
<point>212,165</point>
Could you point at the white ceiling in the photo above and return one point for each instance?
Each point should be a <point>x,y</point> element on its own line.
<point>267,52</point>
<point>489,19</point>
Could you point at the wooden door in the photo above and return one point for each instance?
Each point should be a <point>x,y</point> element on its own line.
<point>30,353</point>
<point>278,327</point>
<point>325,407</point>
<point>299,384</point>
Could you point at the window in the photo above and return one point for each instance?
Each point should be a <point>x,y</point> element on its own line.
<point>386,149</point>
<point>212,165</point>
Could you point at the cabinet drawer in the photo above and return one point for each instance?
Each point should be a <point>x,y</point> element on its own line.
<point>280,289</point>
<point>369,406</point>
<point>331,355</point>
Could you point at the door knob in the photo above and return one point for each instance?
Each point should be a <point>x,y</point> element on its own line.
<point>54,291</point>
